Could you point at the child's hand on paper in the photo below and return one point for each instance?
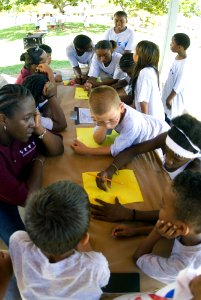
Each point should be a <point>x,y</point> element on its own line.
<point>79,147</point>
<point>166,229</point>
<point>111,212</point>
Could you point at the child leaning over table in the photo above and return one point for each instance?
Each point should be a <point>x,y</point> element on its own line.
<point>110,113</point>
<point>53,259</point>
<point>179,218</point>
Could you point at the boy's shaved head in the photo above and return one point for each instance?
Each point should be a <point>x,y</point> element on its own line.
<point>103,99</point>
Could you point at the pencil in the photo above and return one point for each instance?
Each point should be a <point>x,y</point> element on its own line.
<point>107,179</point>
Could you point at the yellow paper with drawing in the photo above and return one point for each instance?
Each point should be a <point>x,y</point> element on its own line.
<point>127,189</point>
<point>85,135</point>
<point>80,93</point>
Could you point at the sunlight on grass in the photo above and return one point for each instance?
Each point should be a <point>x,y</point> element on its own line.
<point>19,32</point>
<point>15,70</point>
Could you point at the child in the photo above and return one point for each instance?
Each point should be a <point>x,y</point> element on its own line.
<point>80,52</point>
<point>35,61</point>
<point>145,80</point>
<point>181,147</point>
<point>105,63</point>
<point>44,93</point>
<point>54,255</point>
<point>179,218</point>
<point>126,64</point>
<point>48,50</point>
<point>173,95</point>
<point>121,34</point>
<point>110,113</point>
<point>37,22</point>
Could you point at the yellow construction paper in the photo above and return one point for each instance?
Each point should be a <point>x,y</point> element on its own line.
<point>85,135</point>
<point>127,191</point>
<point>80,93</point>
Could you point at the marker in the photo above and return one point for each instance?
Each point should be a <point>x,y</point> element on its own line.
<point>107,179</point>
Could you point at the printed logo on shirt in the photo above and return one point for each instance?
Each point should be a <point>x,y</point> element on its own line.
<point>124,44</point>
<point>171,71</point>
<point>28,149</point>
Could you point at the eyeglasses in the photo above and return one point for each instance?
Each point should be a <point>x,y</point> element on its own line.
<point>111,121</point>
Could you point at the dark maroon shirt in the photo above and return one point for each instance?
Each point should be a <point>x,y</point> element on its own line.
<point>15,163</point>
<point>24,73</point>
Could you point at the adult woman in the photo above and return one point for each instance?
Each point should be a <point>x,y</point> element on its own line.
<point>35,61</point>
<point>181,147</point>
<point>44,93</point>
<point>21,166</point>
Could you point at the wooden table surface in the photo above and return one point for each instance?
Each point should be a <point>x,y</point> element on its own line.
<point>151,178</point>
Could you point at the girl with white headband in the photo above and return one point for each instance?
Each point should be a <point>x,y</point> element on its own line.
<point>181,147</point>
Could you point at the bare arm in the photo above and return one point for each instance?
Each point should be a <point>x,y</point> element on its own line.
<point>126,156</point>
<point>100,134</point>
<point>6,272</point>
<point>148,244</point>
<point>53,143</point>
<point>170,99</point>
<point>120,84</point>
<point>55,112</point>
<point>144,107</point>
<point>80,148</point>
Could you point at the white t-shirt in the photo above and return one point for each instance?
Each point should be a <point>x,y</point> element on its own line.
<point>177,80</point>
<point>79,276</point>
<point>125,40</point>
<point>136,128</point>
<point>147,90</point>
<point>113,70</point>
<point>166,269</point>
<point>75,59</point>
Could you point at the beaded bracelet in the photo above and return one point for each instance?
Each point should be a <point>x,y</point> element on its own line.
<point>42,135</point>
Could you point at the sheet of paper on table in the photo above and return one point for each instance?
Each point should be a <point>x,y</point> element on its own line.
<point>85,135</point>
<point>84,116</point>
<point>80,93</point>
<point>127,190</point>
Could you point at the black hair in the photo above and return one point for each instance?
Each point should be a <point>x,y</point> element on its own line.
<point>57,217</point>
<point>182,39</point>
<point>11,96</point>
<point>46,48</point>
<point>121,13</point>
<point>35,83</point>
<point>105,44</point>
<point>187,205</point>
<point>192,129</point>
<point>126,61</point>
<point>82,41</point>
<point>32,57</point>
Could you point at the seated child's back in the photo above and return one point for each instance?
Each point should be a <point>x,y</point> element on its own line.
<point>53,260</point>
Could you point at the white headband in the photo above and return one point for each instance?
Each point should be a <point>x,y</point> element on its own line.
<point>190,142</point>
<point>179,150</point>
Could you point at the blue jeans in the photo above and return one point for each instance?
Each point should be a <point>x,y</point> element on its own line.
<point>10,221</point>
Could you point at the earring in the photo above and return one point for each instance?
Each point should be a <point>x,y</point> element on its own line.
<point>4,127</point>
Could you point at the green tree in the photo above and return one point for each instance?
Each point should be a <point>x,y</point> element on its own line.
<point>60,4</point>
<point>187,7</point>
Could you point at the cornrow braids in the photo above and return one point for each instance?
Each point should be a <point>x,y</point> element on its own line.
<point>10,97</point>
<point>126,60</point>
<point>105,44</point>
<point>35,83</point>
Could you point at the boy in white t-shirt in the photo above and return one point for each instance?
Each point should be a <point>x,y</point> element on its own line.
<point>53,259</point>
<point>173,95</point>
<point>110,113</point>
<point>121,34</point>
<point>80,52</point>
<point>179,218</point>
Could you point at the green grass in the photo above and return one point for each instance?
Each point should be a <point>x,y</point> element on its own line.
<point>14,70</point>
<point>19,32</point>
